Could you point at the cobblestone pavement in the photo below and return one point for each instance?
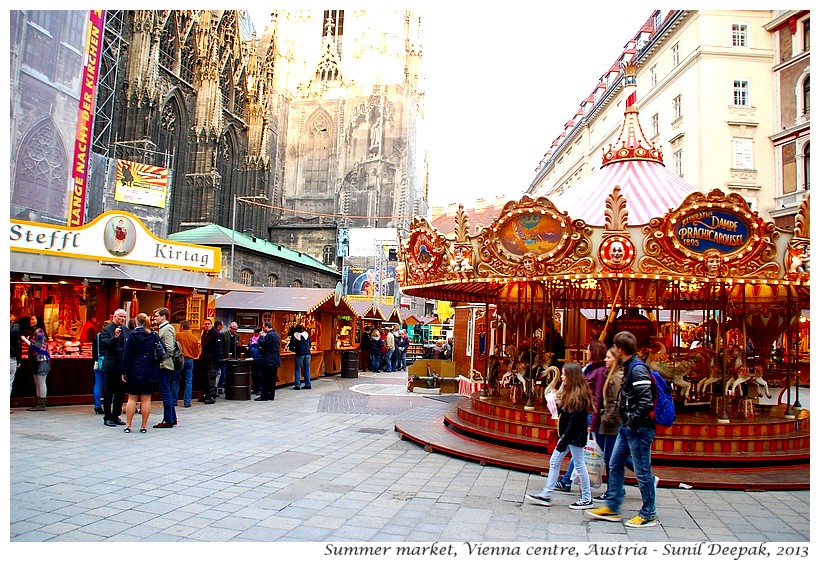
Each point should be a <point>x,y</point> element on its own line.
<point>320,467</point>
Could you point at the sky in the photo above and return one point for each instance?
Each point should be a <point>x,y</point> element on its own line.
<point>501,84</point>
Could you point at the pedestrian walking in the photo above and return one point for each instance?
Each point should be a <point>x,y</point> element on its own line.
<point>635,437</point>
<point>574,404</point>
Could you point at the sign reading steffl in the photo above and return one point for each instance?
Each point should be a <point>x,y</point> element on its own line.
<point>114,234</point>
<point>712,229</point>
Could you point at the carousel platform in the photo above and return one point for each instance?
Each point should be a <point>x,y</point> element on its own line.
<point>763,451</point>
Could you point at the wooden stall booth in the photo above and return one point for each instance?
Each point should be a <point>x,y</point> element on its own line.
<point>69,281</point>
<point>325,314</point>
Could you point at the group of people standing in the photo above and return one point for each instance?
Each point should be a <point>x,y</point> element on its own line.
<point>612,398</point>
<point>384,349</point>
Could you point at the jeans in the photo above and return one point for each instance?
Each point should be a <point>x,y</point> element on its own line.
<point>169,413</point>
<point>223,367</point>
<point>99,377</point>
<point>301,365</point>
<point>375,360</point>
<point>638,444</point>
<point>566,480</point>
<point>555,467</point>
<point>402,362</point>
<point>13,366</point>
<point>188,372</point>
<point>389,360</point>
<point>175,385</point>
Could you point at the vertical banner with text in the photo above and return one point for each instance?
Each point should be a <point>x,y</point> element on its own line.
<point>85,119</point>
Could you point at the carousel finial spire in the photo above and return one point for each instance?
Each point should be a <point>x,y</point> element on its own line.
<point>632,138</point>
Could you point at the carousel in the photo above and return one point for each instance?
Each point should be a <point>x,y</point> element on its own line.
<point>717,297</point>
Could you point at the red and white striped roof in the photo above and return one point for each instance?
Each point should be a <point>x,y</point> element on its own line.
<point>649,188</point>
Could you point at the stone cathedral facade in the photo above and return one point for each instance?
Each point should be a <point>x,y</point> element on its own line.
<point>320,113</point>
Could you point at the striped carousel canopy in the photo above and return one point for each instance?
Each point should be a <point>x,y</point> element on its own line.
<point>649,188</point>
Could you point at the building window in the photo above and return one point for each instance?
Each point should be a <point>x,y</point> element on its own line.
<point>806,36</point>
<point>740,35</point>
<point>806,96</point>
<point>677,162</point>
<point>246,277</point>
<point>297,283</point>
<point>273,280</point>
<point>327,255</point>
<point>806,168</point>
<point>655,126</point>
<point>742,149</point>
<point>676,107</point>
<point>657,20</point>
<point>317,155</point>
<point>740,92</point>
<point>676,54</point>
<point>653,75</point>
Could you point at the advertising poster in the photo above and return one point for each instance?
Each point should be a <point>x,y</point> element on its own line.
<point>141,184</point>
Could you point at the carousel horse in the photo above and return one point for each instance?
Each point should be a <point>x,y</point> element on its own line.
<point>552,378</point>
<point>705,367</point>
<point>658,359</point>
<point>741,374</point>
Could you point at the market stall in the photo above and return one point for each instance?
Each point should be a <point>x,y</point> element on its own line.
<point>70,280</point>
<point>325,314</point>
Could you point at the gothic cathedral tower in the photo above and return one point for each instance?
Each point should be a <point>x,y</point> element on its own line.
<point>351,97</point>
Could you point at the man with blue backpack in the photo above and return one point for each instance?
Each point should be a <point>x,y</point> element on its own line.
<point>635,437</point>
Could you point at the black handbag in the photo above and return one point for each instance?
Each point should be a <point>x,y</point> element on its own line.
<point>160,352</point>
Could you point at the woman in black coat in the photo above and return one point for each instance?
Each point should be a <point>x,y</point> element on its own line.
<point>140,370</point>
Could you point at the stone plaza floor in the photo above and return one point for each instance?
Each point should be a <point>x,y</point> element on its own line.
<point>322,467</point>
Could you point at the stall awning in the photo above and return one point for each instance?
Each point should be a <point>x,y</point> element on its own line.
<point>38,264</point>
<point>293,299</point>
<point>65,267</point>
<point>182,278</point>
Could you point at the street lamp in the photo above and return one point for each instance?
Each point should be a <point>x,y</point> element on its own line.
<point>236,199</point>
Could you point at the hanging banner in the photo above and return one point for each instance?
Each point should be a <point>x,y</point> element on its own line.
<point>141,184</point>
<point>85,119</point>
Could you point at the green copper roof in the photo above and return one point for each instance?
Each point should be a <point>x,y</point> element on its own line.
<point>215,235</point>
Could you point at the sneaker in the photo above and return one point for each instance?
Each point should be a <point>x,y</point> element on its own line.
<point>581,504</point>
<point>639,521</point>
<point>601,498</point>
<point>605,514</point>
<point>209,400</point>
<point>561,487</point>
<point>540,500</point>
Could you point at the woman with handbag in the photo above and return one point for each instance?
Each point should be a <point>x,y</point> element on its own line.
<point>140,370</point>
<point>575,403</point>
<point>40,360</point>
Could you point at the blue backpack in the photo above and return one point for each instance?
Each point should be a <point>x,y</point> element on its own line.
<point>664,412</point>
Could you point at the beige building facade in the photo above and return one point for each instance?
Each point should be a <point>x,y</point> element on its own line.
<point>704,93</point>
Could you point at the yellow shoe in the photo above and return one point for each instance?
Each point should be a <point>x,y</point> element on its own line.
<point>639,521</point>
<point>605,514</point>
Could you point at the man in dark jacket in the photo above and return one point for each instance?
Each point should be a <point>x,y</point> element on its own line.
<point>299,344</point>
<point>112,344</point>
<point>636,403</point>
<point>269,347</point>
<point>211,356</point>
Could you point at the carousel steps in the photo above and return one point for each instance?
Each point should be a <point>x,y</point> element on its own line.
<point>426,427</point>
<point>694,439</point>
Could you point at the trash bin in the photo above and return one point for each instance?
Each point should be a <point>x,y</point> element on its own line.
<point>238,379</point>
<point>350,364</point>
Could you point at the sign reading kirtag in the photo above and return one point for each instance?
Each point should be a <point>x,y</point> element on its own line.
<point>114,236</point>
<point>707,229</point>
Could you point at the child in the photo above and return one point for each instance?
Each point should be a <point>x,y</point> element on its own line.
<point>575,402</point>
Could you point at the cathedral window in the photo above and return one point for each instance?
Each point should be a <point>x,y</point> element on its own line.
<point>317,156</point>
<point>42,170</point>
